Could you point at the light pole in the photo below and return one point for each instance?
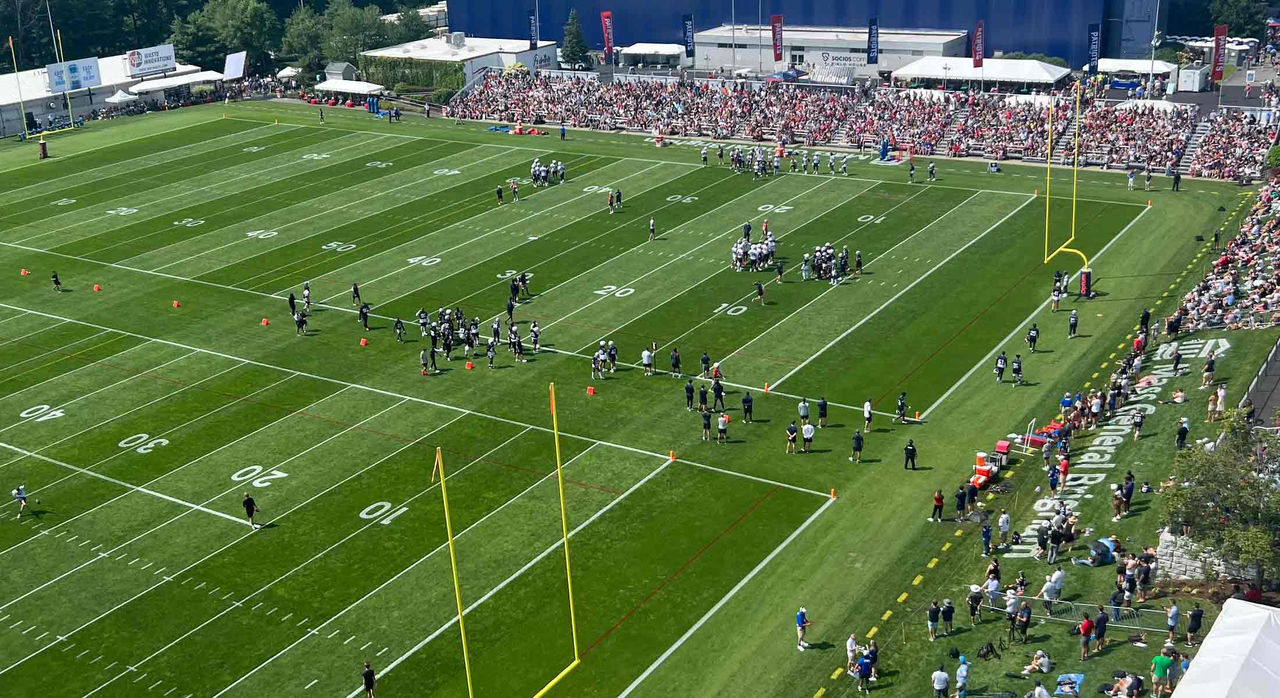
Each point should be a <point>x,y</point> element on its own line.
<point>946,71</point>
<point>1155,41</point>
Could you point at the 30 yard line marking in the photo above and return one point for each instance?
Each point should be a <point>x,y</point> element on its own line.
<point>723,600</point>
<point>899,294</point>
<point>984,361</point>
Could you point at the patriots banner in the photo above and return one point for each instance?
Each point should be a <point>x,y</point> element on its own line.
<point>1219,51</point>
<point>979,44</point>
<point>606,24</point>
<point>1095,47</point>
<point>775,24</point>
<point>873,41</point>
<point>533,29</point>
<point>688,36</point>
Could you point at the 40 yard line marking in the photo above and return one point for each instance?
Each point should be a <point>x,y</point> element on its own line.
<point>1019,328</point>
<point>899,294</point>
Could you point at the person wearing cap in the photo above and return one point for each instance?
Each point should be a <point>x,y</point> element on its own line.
<point>1040,691</point>
<point>1039,664</point>
<point>948,614</point>
<point>962,678</point>
<point>802,625</point>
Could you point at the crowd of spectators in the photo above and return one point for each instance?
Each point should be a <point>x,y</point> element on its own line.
<point>1147,135</point>
<point>1235,146</point>
<point>1242,290</point>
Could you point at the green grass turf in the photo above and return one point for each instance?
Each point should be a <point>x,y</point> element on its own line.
<point>122,590</point>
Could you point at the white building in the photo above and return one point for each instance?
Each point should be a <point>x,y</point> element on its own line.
<point>473,53</point>
<point>830,54</point>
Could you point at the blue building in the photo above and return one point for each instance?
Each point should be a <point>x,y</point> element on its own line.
<point>1052,27</point>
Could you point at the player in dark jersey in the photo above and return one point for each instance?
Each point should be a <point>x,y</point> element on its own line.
<point>1001,362</point>
<point>534,333</point>
<point>355,294</point>
<point>688,395</point>
<point>364,316</point>
<point>759,293</point>
<point>399,329</point>
<point>1033,336</point>
<point>57,283</point>
<point>1017,369</point>
<point>902,407</point>
<point>251,511</point>
<point>499,194</point>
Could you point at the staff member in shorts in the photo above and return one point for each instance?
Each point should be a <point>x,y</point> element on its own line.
<point>250,511</point>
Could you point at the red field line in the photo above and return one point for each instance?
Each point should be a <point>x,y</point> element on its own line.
<point>688,563</point>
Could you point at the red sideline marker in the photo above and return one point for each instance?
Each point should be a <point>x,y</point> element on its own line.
<point>24,272</point>
<point>470,365</point>
<point>265,322</point>
<point>176,304</point>
<point>96,287</point>
<point>591,390</point>
<point>364,342</point>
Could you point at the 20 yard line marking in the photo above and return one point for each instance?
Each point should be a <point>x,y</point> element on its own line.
<point>899,294</point>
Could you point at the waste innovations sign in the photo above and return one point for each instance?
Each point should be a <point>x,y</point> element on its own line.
<point>146,61</point>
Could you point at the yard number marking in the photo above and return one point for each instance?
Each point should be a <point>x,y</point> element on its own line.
<point>681,198</point>
<point>378,163</point>
<point>615,291</point>
<point>727,310</point>
<point>377,509</point>
<point>773,208</point>
<point>315,156</point>
<point>122,211</point>
<point>512,272</point>
<point>262,234</point>
<point>42,413</point>
<point>189,222</point>
<point>424,261</point>
<point>144,445</point>
<point>64,202</point>
<point>253,471</point>
<point>446,172</point>
<point>339,246</point>
<point>255,148</point>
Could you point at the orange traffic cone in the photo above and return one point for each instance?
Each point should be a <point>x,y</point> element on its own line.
<point>24,272</point>
<point>766,387</point>
<point>364,342</point>
<point>591,390</point>
<point>470,365</point>
<point>176,304</point>
<point>96,287</point>
<point>265,322</point>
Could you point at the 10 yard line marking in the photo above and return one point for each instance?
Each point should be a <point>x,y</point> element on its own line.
<point>723,600</point>
<point>899,294</point>
<point>1018,328</point>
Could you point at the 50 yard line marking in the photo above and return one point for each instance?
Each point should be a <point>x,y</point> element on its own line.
<point>899,294</point>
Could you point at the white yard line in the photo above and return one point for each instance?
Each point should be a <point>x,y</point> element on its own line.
<point>11,340</point>
<point>240,602</point>
<point>869,263</point>
<point>518,573</point>
<point>1019,328</point>
<point>720,604</point>
<point>471,241</point>
<point>348,384</point>
<point>189,192</point>
<point>13,317</point>
<point>43,354</point>
<point>122,483</point>
<point>431,163</point>
<point>899,294</point>
<point>313,631</point>
<point>112,418</point>
<point>681,256</point>
<point>77,368</point>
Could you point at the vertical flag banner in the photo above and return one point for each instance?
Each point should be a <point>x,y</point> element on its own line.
<point>606,24</point>
<point>1095,47</point>
<point>979,44</point>
<point>775,23</point>
<point>1219,51</point>
<point>688,36</point>
<point>873,41</point>
<point>533,30</point>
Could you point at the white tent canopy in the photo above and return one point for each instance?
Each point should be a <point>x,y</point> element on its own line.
<point>287,72</point>
<point>654,50</point>
<point>1141,66</point>
<point>994,70</point>
<point>120,97</point>
<point>1239,658</point>
<point>175,81</point>
<point>354,87</point>
<point>1156,104</point>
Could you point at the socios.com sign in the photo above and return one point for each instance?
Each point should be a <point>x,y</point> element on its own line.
<point>829,59</point>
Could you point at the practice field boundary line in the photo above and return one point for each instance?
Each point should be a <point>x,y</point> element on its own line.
<point>122,483</point>
<point>133,666</point>
<point>899,294</point>
<point>683,255</point>
<point>112,418</point>
<point>129,140</point>
<point>246,222</point>
<point>525,568</point>
<point>312,631</point>
<point>723,600</point>
<point>588,241</point>
<point>380,391</point>
<point>510,249</point>
<point>189,192</point>
<point>82,182</point>
<point>826,176</point>
<point>251,202</point>
<point>175,575</point>
<point>152,481</point>
<point>1018,328</point>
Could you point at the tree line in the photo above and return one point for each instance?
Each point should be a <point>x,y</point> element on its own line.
<point>306,33</point>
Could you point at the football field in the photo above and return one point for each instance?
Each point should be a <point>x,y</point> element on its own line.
<point>142,404</point>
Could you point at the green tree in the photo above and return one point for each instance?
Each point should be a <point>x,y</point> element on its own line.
<point>194,43</point>
<point>352,30</point>
<point>304,36</point>
<point>411,26</point>
<point>1189,18</point>
<point>1230,497</point>
<point>244,25</point>
<point>1245,18</point>
<point>573,48</point>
